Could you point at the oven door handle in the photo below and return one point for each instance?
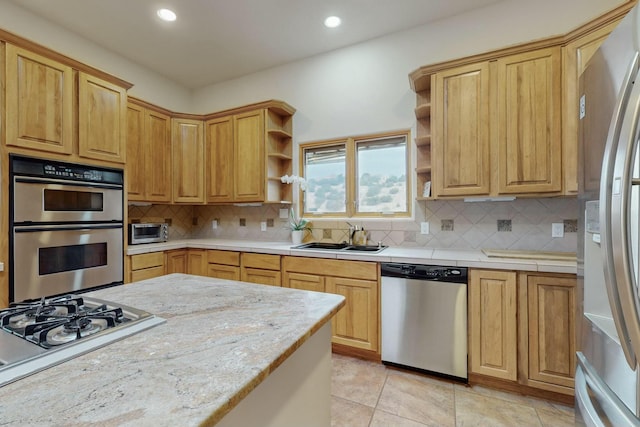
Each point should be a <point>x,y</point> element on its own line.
<point>69,227</point>
<point>34,180</point>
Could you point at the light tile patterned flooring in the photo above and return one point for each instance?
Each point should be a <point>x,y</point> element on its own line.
<point>370,394</point>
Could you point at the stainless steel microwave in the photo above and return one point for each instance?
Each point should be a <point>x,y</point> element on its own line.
<point>148,233</point>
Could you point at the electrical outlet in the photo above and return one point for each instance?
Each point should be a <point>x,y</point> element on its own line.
<point>263,225</point>
<point>214,224</point>
<point>424,228</point>
<point>284,213</point>
<point>557,229</point>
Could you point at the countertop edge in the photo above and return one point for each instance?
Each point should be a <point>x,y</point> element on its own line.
<point>445,257</point>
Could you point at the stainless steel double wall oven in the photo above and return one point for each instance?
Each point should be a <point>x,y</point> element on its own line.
<point>66,227</point>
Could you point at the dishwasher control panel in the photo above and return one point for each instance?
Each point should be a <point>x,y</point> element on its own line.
<point>425,272</point>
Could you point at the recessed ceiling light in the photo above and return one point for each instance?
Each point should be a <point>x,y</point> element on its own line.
<point>332,22</point>
<point>166,14</point>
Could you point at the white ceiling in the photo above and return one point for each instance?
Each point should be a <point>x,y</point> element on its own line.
<point>217,40</point>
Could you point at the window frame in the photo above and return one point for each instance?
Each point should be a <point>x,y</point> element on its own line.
<point>351,180</point>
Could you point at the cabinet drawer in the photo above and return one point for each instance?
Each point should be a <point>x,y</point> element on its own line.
<point>147,273</point>
<point>222,271</point>
<point>331,267</point>
<point>153,259</point>
<point>263,261</point>
<point>223,257</point>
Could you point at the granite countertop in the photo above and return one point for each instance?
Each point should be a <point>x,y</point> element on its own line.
<point>221,339</point>
<point>445,257</point>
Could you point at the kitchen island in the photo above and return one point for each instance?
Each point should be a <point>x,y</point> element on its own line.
<point>230,353</point>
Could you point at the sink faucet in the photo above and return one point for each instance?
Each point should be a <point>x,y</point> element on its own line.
<point>352,231</point>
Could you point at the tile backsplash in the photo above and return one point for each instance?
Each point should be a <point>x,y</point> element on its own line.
<point>522,224</point>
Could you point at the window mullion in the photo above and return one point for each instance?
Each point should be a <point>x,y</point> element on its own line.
<point>352,177</point>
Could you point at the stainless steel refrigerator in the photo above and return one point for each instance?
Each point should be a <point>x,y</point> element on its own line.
<point>608,256</point>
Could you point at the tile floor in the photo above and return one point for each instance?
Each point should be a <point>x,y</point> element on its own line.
<point>366,393</point>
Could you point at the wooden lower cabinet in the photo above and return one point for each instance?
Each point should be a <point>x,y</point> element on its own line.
<point>223,264</point>
<point>357,323</point>
<point>197,262</point>
<point>522,330</point>
<point>177,261</point>
<point>263,269</point>
<point>493,323</point>
<point>550,320</point>
<point>147,266</point>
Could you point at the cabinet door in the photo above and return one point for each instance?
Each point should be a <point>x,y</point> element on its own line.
<point>356,324</point>
<point>177,262</point>
<point>197,261</point>
<point>219,152</point>
<point>460,139</point>
<point>249,157</point>
<point>493,323</point>
<point>39,102</point>
<point>187,157</point>
<point>222,271</point>
<point>307,282</point>
<point>552,306</point>
<point>135,152</point>
<point>102,119</point>
<point>575,57</point>
<point>263,277</point>
<point>528,127</point>
<point>157,157</point>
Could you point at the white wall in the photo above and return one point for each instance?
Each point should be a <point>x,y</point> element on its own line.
<point>148,85</point>
<point>365,88</point>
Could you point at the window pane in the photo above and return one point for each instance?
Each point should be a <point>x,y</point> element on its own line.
<point>325,170</point>
<point>382,175</point>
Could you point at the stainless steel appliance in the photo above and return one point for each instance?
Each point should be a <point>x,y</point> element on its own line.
<point>148,233</point>
<point>66,227</point>
<point>606,382</point>
<point>41,333</point>
<point>424,318</point>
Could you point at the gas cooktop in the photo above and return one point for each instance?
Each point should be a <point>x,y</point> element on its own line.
<point>37,334</point>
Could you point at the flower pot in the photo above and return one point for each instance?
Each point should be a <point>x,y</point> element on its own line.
<point>296,236</point>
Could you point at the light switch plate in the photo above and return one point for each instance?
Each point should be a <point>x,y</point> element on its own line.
<point>557,229</point>
<point>263,225</point>
<point>424,228</point>
<point>214,224</point>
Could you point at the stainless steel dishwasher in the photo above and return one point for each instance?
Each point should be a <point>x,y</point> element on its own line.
<point>424,318</point>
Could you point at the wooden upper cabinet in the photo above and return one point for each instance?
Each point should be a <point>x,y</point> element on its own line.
<point>249,155</point>
<point>157,157</point>
<point>575,57</point>
<point>187,157</point>
<point>135,152</point>
<point>528,131</point>
<point>39,102</point>
<point>148,155</point>
<point>460,117</point>
<point>220,158</point>
<point>102,118</point>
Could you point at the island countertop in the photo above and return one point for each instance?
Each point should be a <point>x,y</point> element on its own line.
<point>221,339</point>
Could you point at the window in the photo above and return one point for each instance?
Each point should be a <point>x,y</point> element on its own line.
<point>357,177</point>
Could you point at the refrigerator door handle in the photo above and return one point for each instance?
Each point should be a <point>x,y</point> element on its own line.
<point>590,388</point>
<point>614,217</point>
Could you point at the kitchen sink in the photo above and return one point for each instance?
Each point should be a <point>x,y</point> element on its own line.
<point>341,247</point>
<point>321,245</point>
